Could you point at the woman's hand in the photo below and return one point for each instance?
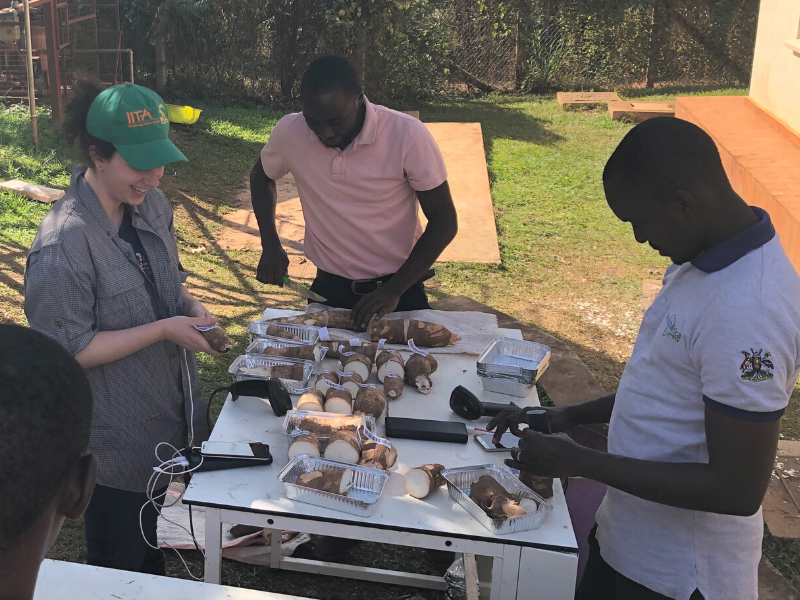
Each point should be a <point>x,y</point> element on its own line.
<point>183,332</point>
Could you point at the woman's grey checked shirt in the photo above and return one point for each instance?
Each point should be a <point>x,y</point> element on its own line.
<point>80,279</point>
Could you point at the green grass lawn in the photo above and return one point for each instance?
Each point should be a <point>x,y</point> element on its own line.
<point>568,265</point>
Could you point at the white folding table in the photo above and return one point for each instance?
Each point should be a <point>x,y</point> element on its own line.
<point>60,580</point>
<point>535,565</point>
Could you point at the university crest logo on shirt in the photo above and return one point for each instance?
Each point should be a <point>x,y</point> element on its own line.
<point>756,365</point>
<point>672,328</point>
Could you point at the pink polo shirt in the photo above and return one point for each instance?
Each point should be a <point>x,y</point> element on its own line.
<point>360,203</point>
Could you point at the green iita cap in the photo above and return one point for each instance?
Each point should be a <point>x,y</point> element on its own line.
<point>134,120</point>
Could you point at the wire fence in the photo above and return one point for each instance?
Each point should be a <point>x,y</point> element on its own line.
<point>256,50</point>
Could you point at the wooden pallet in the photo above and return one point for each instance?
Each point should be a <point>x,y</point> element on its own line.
<point>585,99</point>
<point>622,110</point>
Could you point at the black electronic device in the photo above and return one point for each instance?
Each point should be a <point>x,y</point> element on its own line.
<point>537,420</point>
<point>232,457</point>
<point>466,404</point>
<point>271,389</point>
<point>424,429</point>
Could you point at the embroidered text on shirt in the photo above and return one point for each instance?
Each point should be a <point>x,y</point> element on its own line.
<point>672,329</point>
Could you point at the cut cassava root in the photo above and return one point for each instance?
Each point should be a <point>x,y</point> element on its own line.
<point>343,447</point>
<point>421,481</point>
<point>217,338</point>
<point>378,455</point>
<point>393,386</point>
<point>325,379</point>
<point>338,401</point>
<point>370,401</point>
<point>497,502</point>
<point>335,481</point>
<point>357,363</point>
<point>418,372</point>
<point>306,444</point>
<point>304,352</point>
<point>400,331</point>
<point>312,400</point>
<point>325,426</point>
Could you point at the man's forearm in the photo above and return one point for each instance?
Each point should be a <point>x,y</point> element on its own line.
<point>593,411</point>
<point>693,486</point>
<point>264,197</point>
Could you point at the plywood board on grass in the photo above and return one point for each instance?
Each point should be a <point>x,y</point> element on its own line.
<point>636,112</point>
<point>585,99</point>
<point>39,193</point>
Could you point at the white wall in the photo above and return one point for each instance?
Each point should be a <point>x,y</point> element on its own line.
<point>775,82</point>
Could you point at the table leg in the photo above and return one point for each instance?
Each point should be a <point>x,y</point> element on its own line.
<point>213,572</point>
<point>275,545</point>
<point>547,575</point>
<point>505,573</point>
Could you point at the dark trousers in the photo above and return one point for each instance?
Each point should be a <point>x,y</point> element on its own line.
<point>113,536</point>
<point>341,296</point>
<point>601,582</point>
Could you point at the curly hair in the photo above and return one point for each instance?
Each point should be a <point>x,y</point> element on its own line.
<point>75,115</point>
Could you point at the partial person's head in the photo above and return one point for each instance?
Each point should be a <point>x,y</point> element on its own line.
<point>331,95</point>
<point>123,135</point>
<point>45,417</point>
<point>667,180</point>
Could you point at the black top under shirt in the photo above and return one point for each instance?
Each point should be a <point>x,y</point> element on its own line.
<point>128,233</point>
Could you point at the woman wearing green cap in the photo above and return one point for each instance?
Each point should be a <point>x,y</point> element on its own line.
<point>103,278</point>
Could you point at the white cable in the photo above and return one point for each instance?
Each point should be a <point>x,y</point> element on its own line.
<point>191,399</point>
<point>167,467</point>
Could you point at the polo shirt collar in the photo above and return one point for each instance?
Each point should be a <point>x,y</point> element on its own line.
<point>368,131</point>
<point>728,252</point>
<point>90,200</point>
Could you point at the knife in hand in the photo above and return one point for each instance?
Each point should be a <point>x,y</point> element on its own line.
<point>302,290</point>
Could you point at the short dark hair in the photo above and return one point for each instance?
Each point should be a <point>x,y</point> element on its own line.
<point>327,73</point>
<point>75,123</point>
<point>666,155</point>
<point>45,419</point>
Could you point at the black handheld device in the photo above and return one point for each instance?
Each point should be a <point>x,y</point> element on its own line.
<point>260,457</point>
<point>537,420</point>
<point>466,405</point>
<point>424,429</point>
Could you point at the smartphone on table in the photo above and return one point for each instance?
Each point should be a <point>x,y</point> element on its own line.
<point>507,442</point>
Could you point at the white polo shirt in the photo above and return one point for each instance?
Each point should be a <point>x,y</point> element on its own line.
<point>723,333</point>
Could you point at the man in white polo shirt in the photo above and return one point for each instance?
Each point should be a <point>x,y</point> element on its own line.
<point>694,423</point>
<point>361,170</point>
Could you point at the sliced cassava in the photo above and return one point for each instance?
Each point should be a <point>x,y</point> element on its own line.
<point>325,426</point>
<point>335,481</point>
<point>418,372</point>
<point>312,400</point>
<point>497,502</point>
<point>338,401</point>
<point>357,363</point>
<point>421,481</point>
<point>370,401</point>
<point>343,447</point>
<point>324,380</point>
<point>351,381</point>
<point>378,455</point>
<point>393,386</point>
<point>306,444</point>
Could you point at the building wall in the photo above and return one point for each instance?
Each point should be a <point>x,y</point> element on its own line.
<point>775,82</point>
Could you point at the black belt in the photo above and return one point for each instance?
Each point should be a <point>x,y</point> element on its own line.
<point>360,287</point>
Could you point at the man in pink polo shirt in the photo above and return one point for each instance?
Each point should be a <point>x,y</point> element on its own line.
<point>361,170</point>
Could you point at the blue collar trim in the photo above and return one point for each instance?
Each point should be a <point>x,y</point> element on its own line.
<point>728,252</point>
